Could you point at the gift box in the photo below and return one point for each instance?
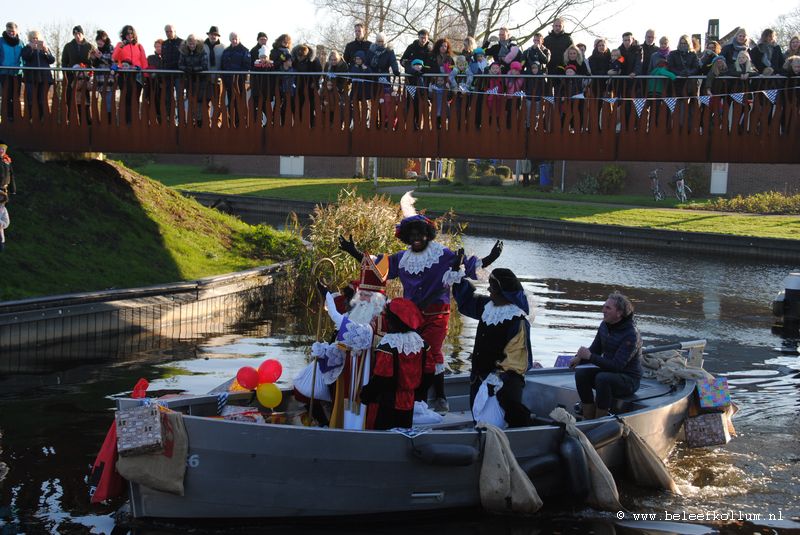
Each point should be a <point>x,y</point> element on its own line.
<point>707,430</point>
<point>139,430</point>
<point>562,361</point>
<point>714,394</point>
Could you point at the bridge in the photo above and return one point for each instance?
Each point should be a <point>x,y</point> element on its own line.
<point>569,118</point>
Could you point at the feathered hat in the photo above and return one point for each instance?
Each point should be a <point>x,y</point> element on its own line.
<point>410,215</point>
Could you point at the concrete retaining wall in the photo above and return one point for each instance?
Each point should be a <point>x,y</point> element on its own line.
<point>275,211</point>
<point>36,332</point>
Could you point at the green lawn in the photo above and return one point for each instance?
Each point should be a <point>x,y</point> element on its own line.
<point>194,178</point>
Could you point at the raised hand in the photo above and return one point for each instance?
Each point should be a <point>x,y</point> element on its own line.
<point>322,289</point>
<point>458,259</point>
<point>349,247</point>
<point>497,249</point>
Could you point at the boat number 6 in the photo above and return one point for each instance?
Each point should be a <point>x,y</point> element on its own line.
<point>193,461</point>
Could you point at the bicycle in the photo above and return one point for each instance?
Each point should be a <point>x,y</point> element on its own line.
<point>655,186</point>
<point>682,190</point>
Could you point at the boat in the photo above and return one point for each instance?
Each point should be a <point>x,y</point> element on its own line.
<point>274,470</point>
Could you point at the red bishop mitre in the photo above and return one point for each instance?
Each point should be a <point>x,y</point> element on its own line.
<point>374,274</point>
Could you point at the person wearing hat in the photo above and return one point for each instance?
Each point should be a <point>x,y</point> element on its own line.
<point>421,49</point>
<point>502,340</point>
<point>76,52</point>
<point>5,220</point>
<point>214,49</point>
<point>616,355</point>
<point>397,372</point>
<point>423,269</point>
<point>6,172</point>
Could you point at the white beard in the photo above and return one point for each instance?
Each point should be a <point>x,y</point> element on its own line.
<point>366,306</point>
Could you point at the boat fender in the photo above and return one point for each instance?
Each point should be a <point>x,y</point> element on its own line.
<point>543,464</point>
<point>605,434</point>
<point>576,469</point>
<point>447,454</point>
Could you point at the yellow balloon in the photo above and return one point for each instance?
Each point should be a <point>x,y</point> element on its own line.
<point>269,395</point>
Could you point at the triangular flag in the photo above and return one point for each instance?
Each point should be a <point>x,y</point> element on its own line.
<point>639,103</point>
<point>705,100</point>
<point>578,96</point>
<point>411,90</point>
<point>670,102</point>
<point>331,74</point>
<point>551,100</point>
<point>383,80</point>
<point>738,97</point>
<point>492,91</point>
<point>772,94</point>
<point>610,100</point>
<point>519,94</point>
<point>463,87</point>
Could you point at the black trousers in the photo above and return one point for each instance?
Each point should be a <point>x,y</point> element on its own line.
<point>606,384</point>
<point>509,397</point>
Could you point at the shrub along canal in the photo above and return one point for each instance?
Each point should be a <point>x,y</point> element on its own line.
<point>53,422</point>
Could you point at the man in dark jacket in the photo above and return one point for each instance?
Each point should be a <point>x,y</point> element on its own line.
<point>235,58</point>
<point>304,60</point>
<point>648,48</point>
<point>616,353</point>
<point>170,58</point>
<point>557,41</point>
<point>421,49</point>
<point>359,43</point>
<point>261,40</point>
<point>632,52</point>
<point>76,52</point>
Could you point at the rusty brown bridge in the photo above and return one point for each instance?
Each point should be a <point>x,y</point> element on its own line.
<point>597,118</point>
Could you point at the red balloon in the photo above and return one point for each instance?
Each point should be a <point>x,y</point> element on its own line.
<point>269,371</point>
<point>247,377</point>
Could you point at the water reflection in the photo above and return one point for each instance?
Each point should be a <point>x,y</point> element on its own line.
<point>54,421</point>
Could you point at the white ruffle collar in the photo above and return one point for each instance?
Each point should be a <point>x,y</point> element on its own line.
<point>494,315</point>
<point>414,263</point>
<point>408,343</point>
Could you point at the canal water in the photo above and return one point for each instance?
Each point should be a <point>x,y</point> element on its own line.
<point>53,422</point>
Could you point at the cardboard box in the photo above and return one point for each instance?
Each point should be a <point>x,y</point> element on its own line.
<point>139,430</point>
<point>707,430</point>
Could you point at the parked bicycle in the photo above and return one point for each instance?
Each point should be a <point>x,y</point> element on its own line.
<point>655,185</point>
<point>682,190</point>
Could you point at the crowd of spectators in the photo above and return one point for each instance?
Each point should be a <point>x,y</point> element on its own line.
<point>433,71</point>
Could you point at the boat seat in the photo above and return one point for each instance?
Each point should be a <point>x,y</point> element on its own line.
<point>452,420</point>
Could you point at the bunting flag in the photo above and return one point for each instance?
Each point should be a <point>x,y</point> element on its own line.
<point>639,103</point>
<point>772,94</point>
<point>383,80</point>
<point>331,74</point>
<point>610,100</point>
<point>578,96</point>
<point>222,400</point>
<point>551,100</point>
<point>519,94</point>
<point>705,100</point>
<point>411,90</point>
<point>738,97</point>
<point>670,102</point>
<point>492,91</point>
<point>463,87</point>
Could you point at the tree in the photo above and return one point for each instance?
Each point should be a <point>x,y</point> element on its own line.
<point>390,17</point>
<point>788,25</point>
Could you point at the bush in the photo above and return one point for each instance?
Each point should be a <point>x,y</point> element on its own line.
<point>484,167</point>
<point>770,202</point>
<point>134,161</point>
<point>490,180</point>
<point>504,171</point>
<point>444,181</point>
<point>698,180</point>
<point>587,185</point>
<point>611,179</point>
<point>472,169</point>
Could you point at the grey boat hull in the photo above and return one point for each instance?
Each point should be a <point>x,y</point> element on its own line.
<point>244,470</point>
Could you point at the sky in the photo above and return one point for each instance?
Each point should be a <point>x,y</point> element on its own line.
<point>299,17</point>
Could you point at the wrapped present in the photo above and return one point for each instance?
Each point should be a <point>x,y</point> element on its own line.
<point>562,361</point>
<point>707,430</point>
<point>713,394</point>
<point>139,430</point>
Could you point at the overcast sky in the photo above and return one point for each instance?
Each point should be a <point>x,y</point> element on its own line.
<point>299,17</point>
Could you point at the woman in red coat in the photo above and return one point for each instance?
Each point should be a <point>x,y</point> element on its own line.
<point>130,58</point>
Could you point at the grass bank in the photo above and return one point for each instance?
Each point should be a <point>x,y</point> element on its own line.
<point>194,178</point>
<point>622,210</point>
<point>96,225</point>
